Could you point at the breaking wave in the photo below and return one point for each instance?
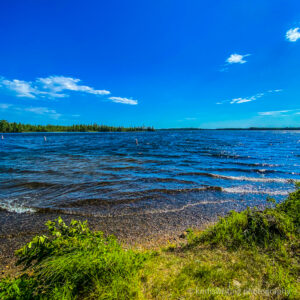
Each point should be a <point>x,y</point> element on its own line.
<point>239,178</point>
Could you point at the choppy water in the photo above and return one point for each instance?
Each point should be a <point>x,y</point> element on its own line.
<point>108,174</point>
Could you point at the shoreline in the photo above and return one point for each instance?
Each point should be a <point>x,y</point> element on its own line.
<point>139,231</point>
<point>240,253</point>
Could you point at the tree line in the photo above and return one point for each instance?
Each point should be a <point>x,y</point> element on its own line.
<point>10,127</point>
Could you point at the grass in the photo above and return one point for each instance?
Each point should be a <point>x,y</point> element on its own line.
<point>248,255</point>
<point>73,262</point>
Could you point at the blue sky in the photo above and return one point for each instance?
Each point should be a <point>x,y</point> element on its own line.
<point>208,64</point>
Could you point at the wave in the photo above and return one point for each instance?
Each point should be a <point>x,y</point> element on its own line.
<point>24,171</point>
<point>159,179</point>
<point>139,196</point>
<point>153,211</point>
<point>248,164</point>
<point>262,171</point>
<point>175,191</point>
<point>118,169</point>
<point>224,155</point>
<point>239,178</point>
<point>60,186</point>
<point>160,211</point>
<point>33,185</point>
<point>14,208</point>
<point>133,197</point>
<point>245,190</point>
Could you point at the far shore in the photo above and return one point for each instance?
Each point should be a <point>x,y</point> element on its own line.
<point>148,129</point>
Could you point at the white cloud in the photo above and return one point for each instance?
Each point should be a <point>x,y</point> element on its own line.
<point>236,59</point>
<point>275,91</point>
<point>280,112</point>
<point>249,99</point>
<point>52,86</point>
<point>123,100</point>
<point>55,87</point>
<point>240,100</point>
<point>273,113</point>
<point>22,88</point>
<point>57,84</point>
<point>244,100</point>
<point>293,34</point>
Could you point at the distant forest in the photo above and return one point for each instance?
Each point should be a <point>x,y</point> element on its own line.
<point>249,128</point>
<point>18,127</point>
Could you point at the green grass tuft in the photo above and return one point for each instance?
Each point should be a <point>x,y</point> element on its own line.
<point>75,262</point>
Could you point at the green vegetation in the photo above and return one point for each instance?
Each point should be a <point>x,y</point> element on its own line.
<point>249,255</point>
<point>7,127</point>
<point>74,262</point>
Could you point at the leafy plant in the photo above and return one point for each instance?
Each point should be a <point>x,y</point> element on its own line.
<point>74,261</point>
<point>252,227</point>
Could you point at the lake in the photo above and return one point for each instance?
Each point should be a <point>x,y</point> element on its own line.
<point>108,174</point>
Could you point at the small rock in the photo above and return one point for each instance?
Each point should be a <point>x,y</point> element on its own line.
<point>183,235</point>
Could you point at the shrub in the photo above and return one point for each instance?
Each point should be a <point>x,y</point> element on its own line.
<point>268,228</point>
<point>291,206</point>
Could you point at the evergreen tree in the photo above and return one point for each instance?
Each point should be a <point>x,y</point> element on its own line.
<point>18,127</point>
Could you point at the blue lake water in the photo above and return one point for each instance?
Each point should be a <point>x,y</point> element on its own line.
<point>104,174</point>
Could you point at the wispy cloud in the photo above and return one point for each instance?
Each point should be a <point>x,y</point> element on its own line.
<point>273,113</point>
<point>52,87</point>
<point>275,91</point>
<point>236,58</point>
<point>43,111</point>
<point>5,106</point>
<point>20,87</point>
<point>276,113</point>
<point>55,87</point>
<point>123,100</point>
<point>293,34</point>
<point>244,100</point>
<point>241,100</point>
